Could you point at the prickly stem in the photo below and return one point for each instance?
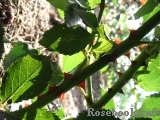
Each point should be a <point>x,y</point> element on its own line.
<point>79,77</point>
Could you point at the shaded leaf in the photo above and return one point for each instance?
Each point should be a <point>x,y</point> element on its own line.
<point>150,107</point>
<point>18,51</point>
<point>70,62</point>
<point>157,31</point>
<point>26,78</point>
<point>58,3</point>
<point>57,75</point>
<point>72,18</point>
<point>88,18</point>
<point>66,40</point>
<point>146,9</point>
<point>151,80</point>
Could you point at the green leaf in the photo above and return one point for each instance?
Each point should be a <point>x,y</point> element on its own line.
<point>70,62</point>
<point>61,4</point>
<point>88,18</point>
<point>150,107</point>
<point>104,69</point>
<point>60,113</point>
<point>148,16</point>
<point>82,3</point>
<point>61,13</point>
<point>102,46</point>
<point>39,114</point>
<point>18,51</point>
<point>151,81</point>
<point>146,9</point>
<point>1,40</point>
<point>66,40</point>
<point>25,78</point>
<point>95,114</point>
<point>157,31</point>
<point>93,3</point>
<point>103,32</point>
<point>71,16</point>
<point>57,75</point>
<point>142,119</point>
<point>74,15</point>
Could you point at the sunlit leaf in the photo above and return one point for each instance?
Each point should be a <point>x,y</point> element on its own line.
<point>25,78</point>
<point>93,3</point>
<point>150,107</point>
<point>60,113</point>
<point>66,40</point>
<point>102,46</point>
<point>18,51</point>
<point>58,3</point>
<point>70,62</point>
<point>150,81</point>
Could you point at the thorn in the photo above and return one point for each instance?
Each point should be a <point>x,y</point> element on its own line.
<point>120,74</point>
<point>117,41</point>
<point>144,64</point>
<point>121,91</point>
<point>26,104</point>
<point>62,96</point>
<point>9,101</point>
<point>74,78</point>
<point>124,82</point>
<point>133,63</point>
<point>67,75</point>
<point>113,59</point>
<point>132,32</point>
<point>142,2</point>
<point>82,85</point>
<point>101,106</point>
<point>128,54</point>
<point>52,88</point>
<point>109,89</point>
<point>143,46</point>
<point>40,96</point>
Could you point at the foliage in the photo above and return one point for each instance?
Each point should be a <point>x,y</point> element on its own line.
<point>86,47</point>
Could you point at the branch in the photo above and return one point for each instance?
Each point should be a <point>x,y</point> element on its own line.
<point>79,77</point>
